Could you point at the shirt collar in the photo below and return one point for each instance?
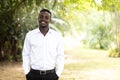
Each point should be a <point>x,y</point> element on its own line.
<point>49,31</point>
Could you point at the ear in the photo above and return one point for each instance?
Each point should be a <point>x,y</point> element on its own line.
<point>50,19</point>
<point>38,17</point>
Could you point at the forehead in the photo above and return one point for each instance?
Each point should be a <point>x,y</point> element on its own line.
<point>44,13</point>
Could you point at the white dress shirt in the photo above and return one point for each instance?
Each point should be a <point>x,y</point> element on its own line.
<point>43,52</point>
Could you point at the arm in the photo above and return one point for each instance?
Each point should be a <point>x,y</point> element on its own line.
<point>60,57</point>
<point>26,55</point>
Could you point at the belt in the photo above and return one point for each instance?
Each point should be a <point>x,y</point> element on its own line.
<point>43,72</point>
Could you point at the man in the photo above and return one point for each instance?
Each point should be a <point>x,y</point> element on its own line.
<point>43,55</point>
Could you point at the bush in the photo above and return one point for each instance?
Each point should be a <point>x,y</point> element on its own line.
<point>114,52</point>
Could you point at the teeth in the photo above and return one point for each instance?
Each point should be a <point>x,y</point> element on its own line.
<point>43,22</point>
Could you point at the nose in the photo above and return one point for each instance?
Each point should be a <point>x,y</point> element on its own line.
<point>43,18</point>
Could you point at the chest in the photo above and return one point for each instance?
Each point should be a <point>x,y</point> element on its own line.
<point>46,41</point>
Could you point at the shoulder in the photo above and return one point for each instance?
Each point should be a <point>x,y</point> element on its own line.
<point>57,35</point>
<point>54,32</point>
<point>32,32</point>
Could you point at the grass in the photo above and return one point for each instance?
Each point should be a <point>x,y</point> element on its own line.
<point>88,64</point>
<point>80,64</point>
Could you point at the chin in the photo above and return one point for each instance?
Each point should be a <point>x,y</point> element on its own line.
<point>43,26</point>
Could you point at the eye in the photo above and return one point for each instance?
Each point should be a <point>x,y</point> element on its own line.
<point>40,17</point>
<point>46,17</point>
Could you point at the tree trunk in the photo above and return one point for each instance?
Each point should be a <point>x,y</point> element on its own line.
<point>117,31</point>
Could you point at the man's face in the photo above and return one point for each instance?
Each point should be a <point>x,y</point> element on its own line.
<point>44,19</point>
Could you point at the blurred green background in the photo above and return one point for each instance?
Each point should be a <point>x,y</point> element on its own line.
<point>88,23</point>
<point>90,29</point>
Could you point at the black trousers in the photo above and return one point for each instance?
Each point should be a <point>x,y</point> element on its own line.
<point>32,75</point>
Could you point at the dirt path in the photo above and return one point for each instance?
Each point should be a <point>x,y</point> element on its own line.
<point>14,71</point>
<point>11,71</point>
<point>93,74</point>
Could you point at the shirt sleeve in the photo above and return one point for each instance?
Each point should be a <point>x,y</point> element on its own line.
<point>26,55</point>
<point>60,57</point>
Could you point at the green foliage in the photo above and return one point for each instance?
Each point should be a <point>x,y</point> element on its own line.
<point>9,27</point>
<point>114,52</point>
<point>69,16</point>
<point>16,18</point>
<point>99,33</point>
<point>111,5</point>
<point>10,57</point>
<point>108,5</point>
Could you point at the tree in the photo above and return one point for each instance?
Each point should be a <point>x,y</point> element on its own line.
<point>114,8</point>
<point>9,30</point>
<point>12,13</point>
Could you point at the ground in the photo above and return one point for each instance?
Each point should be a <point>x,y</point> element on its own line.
<point>11,71</point>
<point>87,65</point>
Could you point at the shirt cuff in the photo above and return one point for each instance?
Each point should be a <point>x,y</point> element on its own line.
<point>58,74</point>
<point>27,71</point>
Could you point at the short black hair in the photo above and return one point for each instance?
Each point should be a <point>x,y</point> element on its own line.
<point>45,10</point>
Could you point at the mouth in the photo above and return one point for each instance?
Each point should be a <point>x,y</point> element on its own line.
<point>43,22</point>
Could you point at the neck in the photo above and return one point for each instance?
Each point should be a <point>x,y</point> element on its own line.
<point>43,30</point>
